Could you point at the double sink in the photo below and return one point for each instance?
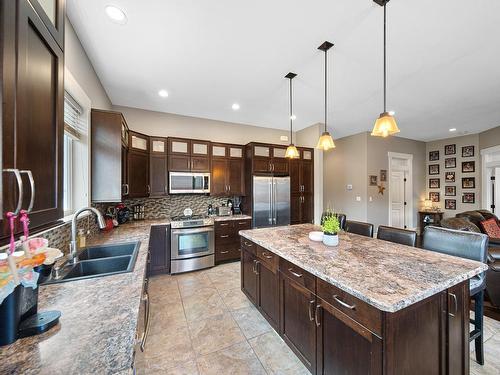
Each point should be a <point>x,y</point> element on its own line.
<point>97,261</point>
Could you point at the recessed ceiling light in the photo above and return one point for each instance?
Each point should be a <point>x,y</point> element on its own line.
<point>293,117</point>
<point>116,14</point>
<point>453,130</point>
<point>235,106</point>
<point>163,93</point>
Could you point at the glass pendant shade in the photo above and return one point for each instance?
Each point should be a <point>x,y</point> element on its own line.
<point>292,152</point>
<point>385,126</point>
<point>325,142</point>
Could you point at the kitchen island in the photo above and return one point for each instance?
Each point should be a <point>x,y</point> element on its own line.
<point>364,307</point>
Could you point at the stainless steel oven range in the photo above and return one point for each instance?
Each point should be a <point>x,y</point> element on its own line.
<point>192,243</point>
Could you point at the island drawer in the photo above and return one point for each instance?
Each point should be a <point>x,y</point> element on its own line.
<point>269,258</point>
<point>298,275</point>
<point>248,245</point>
<point>242,224</point>
<point>360,311</point>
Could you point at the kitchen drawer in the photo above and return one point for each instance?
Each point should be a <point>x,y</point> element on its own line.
<point>298,275</point>
<point>242,224</point>
<point>222,237</point>
<point>227,252</point>
<point>224,226</point>
<point>248,245</point>
<point>269,258</point>
<point>353,307</point>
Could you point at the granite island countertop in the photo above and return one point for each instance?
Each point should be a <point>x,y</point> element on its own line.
<point>96,331</point>
<point>232,217</point>
<point>386,275</point>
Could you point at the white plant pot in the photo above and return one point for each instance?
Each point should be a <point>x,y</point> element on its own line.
<point>330,240</point>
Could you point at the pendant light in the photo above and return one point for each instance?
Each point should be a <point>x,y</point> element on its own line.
<point>386,123</point>
<point>291,151</point>
<point>325,142</point>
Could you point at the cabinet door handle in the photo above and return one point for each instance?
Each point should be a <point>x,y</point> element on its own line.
<point>32,185</point>
<point>454,296</point>
<point>248,244</point>
<point>224,252</point>
<point>294,273</point>
<point>311,304</point>
<point>265,255</point>
<point>253,267</point>
<point>229,187</point>
<point>346,305</point>
<point>257,264</point>
<point>316,316</point>
<point>224,236</point>
<point>19,187</point>
<point>147,313</point>
<point>149,189</point>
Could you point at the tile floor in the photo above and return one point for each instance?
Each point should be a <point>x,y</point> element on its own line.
<point>203,324</point>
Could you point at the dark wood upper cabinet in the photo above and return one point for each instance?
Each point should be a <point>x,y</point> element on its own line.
<point>158,175</point>
<point>138,165</point>
<point>110,156</point>
<point>179,163</point>
<point>218,177</point>
<point>32,113</point>
<point>52,14</point>
<point>188,155</point>
<point>179,146</point>
<point>228,170</point>
<point>302,187</point>
<point>267,158</point>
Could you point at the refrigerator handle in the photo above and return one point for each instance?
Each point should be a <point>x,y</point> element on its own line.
<point>271,202</point>
<point>275,211</point>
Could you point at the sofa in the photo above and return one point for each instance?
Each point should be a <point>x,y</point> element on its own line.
<point>473,221</point>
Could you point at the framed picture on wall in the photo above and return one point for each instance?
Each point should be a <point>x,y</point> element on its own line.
<point>468,166</point>
<point>373,180</point>
<point>449,177</point>
<point>468,183</point>
<point>450,191</point>
<point>434,183</point>
<point>450,204</point>
<point>450,149</point>
<point>433,169</point>
<point>434,196</point>
<point>468,198</point>
<point>450,162</point>
<point>433,155</point>
<point>467,151</point>
<point>383,175</point>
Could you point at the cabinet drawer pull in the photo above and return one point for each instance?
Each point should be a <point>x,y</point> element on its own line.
<point>224,236</point>
<point>265,255</point>
<point>316,316</point>
<point>294,273</point>
<point>224,252</point>
<point>454,296</point>
<point>241,223</point>
<point>248,244</point>
<point>224,224</point>
<point>311,304</point>
<point>351,307</point>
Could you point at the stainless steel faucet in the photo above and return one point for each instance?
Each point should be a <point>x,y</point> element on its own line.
<point>73,246</point>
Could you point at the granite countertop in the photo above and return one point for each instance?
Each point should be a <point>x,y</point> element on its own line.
<point>232,217</point>
<point>96,332</point>
<point>386,275</point>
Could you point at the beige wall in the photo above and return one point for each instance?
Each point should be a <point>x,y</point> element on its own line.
<point>489,138</point>
<point>467,140</point>
<point>79,65</point>
<point>377,159</point>
<point>171,125</point>
<point>346,164</point>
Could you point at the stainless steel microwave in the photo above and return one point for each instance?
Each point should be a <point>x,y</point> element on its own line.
<point>189,183</point>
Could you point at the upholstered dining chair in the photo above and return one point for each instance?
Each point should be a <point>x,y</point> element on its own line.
<point>397,235</point>
<point>468,245</point>
<point>358,227</point>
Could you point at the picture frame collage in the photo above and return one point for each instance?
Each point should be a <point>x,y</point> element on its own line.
<point>450,175</point>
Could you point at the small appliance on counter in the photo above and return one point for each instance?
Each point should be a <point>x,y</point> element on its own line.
<point>210,210</point>
<point>237,206</point>
<point>224,211</point>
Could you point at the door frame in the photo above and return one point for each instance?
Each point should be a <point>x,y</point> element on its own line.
<point>409,186</point>
<point>485,165</point>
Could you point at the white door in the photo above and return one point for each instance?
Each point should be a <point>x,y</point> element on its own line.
<point>397,199</point>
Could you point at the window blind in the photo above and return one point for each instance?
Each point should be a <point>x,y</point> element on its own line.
<point>74,125</point>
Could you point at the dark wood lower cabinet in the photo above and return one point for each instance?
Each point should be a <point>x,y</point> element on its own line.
<point>227,239</point>
<point>159,250</point>
<point>333,332</point>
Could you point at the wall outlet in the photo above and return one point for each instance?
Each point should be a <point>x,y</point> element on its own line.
<point>348,187</point>
<point>370,199</point>
<point>358,198</point>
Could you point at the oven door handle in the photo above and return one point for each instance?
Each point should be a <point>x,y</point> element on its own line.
<point>192,231</point>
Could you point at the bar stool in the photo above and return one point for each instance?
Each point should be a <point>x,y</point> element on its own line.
<point>468,245</point>
<point>358,227</point>
<point>397,235</point>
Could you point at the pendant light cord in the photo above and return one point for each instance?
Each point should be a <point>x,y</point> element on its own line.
<point>291,112</point>
<point>326,91</point>
<point>385,62</point>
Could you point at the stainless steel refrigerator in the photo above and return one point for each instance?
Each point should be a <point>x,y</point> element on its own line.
<point>271,201</point>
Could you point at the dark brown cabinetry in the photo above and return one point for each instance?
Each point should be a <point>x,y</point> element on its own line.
<point>52,13</point>
<point>266,159</point>
<point>228,170</point>
<point>302,187</point>
<point>188,155</point>
<point>333,332</point>
<point>158,167</point>
<point>32,69</point>
<point>227,239</point>
<point>138,165</point>
<point>159,250</point>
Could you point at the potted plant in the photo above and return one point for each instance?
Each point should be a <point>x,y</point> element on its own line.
<point>331,228</point>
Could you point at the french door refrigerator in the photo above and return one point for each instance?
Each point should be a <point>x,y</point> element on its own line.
<point>271,201</point>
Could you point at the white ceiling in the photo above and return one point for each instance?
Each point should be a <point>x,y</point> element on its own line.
<point>443,60</point>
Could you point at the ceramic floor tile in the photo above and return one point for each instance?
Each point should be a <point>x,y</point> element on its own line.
<point>164,317</point>
<point>235,299</point>
<point>491,358</point>
<point>225,282</point>
<point>168,349</point>
<point>215,333</point>
<point>275,355</point>
<point>189,285</point>
<point>188,368</point>
<point>203,304</point>
<point>251,322</point>
<point>238,359</point>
